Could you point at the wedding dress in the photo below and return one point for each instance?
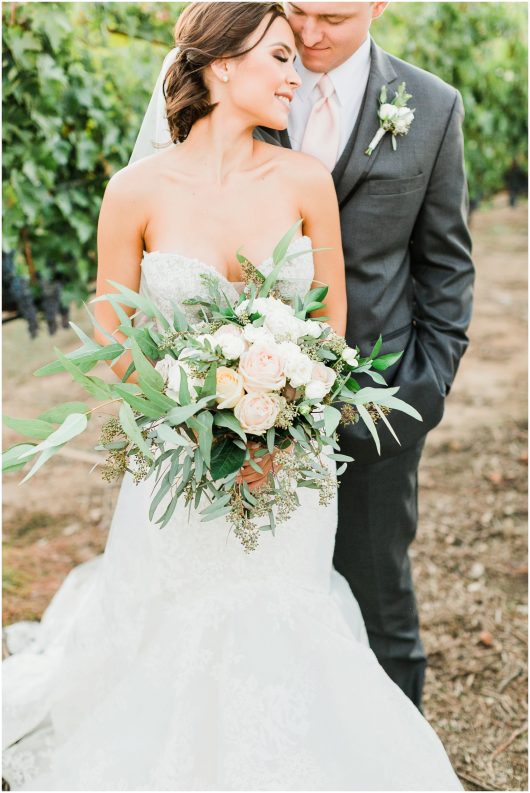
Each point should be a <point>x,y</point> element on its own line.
<point>176,661</point>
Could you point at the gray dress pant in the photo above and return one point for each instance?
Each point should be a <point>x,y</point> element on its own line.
<point>378,511</point>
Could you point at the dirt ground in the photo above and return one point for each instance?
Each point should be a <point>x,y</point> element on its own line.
<point>470,556</point>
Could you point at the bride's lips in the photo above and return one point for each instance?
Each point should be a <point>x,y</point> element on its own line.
<point>285,98</point>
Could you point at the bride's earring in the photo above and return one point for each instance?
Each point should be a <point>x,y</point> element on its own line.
<point>225,79</point>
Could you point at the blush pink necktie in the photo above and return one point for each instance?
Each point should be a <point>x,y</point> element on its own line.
<point>322,132</point>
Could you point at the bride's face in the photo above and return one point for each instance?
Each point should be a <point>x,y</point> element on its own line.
<point>261,84</point>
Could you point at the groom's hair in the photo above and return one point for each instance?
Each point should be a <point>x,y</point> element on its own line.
<point>204,32</point>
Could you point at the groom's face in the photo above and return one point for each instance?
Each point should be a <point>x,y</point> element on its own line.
<point>327,34</point>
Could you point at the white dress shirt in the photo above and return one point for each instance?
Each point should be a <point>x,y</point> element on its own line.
<point>349,80</point>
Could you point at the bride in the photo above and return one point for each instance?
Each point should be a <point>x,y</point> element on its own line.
<point>176,661</point>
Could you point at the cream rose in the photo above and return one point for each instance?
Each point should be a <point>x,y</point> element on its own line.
<point>324,374</point>
<point>257,412</point>
<point>261,368</point>
<point>229,389</point>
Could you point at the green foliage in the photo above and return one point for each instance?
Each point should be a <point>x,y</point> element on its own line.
<point>481,49</point>
<point>75,87</point>
<point>77,78</point>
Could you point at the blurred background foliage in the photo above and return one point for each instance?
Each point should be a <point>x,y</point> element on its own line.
<point>76,81</point>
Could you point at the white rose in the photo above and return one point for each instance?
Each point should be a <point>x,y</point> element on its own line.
<point>203,337</point>
<point>284,326</point>
<point>316,389</point>
<point>163,366</point>
<point>312,328</point>
<point>253,334</point>
<point>387,112</point>
<point>174,378</point>
<point>270,305</point>
<point>265,306</point>
<point>230,339</point>
<point>405,114</point>
<point>350,356</point>
<point>299,369</point>
<point>289,351</point>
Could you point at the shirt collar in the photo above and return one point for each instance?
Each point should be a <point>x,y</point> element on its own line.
<point>341,76</point>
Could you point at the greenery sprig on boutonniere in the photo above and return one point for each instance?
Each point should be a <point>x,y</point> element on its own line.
<point>394,117</point>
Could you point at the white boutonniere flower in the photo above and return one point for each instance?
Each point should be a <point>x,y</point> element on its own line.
<point>394,117</point>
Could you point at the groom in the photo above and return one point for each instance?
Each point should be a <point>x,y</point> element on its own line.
<point>409,277</point>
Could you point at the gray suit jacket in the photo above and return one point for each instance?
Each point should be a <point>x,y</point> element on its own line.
<point>406,246</point>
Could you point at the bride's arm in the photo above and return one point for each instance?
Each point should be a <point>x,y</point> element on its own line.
<point>320,212</point>
<point>120,247</point>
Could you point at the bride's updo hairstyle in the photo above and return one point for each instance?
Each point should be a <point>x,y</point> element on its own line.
<point>204,32</point>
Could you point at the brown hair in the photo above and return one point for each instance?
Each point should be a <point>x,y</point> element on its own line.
<point>206,31</point>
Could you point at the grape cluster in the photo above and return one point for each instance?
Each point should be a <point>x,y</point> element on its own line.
<point>29,300</point>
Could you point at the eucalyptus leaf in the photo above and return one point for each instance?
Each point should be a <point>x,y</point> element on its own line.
<point>94,385</point>
<point>58,413</point>
<point>11,458</point>
<point>225,418</point>
<point>181,413</point>
<point>139,404</point>
<point>332,416</point>
<point>43,458</point>
<point>147,374</point>
<point>31,428</point>
<point>365,416</point>
<point>169,435</point>
<point>131,429</point>
<point>73,425</point>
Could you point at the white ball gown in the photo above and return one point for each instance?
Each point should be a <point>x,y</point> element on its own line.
<point>175,661</point>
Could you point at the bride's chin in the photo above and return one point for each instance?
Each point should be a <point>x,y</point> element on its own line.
<point>271,122</point>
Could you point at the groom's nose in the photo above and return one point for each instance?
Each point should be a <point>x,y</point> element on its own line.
<point>311,32</point>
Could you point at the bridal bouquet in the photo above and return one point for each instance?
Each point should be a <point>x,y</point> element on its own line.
<point>252,377</point>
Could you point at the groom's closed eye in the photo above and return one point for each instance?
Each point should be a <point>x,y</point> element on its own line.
<point>333,19</point>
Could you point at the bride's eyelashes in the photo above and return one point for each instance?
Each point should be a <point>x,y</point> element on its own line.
<point>279,58</point>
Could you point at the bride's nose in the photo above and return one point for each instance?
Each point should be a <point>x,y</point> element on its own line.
<point>294,79</point>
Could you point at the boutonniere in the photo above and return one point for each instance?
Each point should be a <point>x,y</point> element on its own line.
<point>394,117</point>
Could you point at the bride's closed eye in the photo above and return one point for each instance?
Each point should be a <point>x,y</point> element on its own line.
<point>279,58</point>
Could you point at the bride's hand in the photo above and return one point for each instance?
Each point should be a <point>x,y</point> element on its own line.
<point>247,474</point>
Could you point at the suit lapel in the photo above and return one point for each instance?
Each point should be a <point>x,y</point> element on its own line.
<point>358,164</point>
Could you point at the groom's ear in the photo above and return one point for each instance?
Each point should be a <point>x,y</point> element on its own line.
<point>377,9</point>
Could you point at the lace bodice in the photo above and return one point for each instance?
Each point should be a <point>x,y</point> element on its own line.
<point>170,278</point>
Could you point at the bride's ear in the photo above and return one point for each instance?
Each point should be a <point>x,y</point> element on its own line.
<point>220,70</point>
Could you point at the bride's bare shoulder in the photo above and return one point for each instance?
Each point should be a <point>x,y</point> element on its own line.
<point>136,178</point>
<point>301,168</point>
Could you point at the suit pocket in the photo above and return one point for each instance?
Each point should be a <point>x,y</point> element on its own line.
<point>395,186</point>
<point>395,334</point>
